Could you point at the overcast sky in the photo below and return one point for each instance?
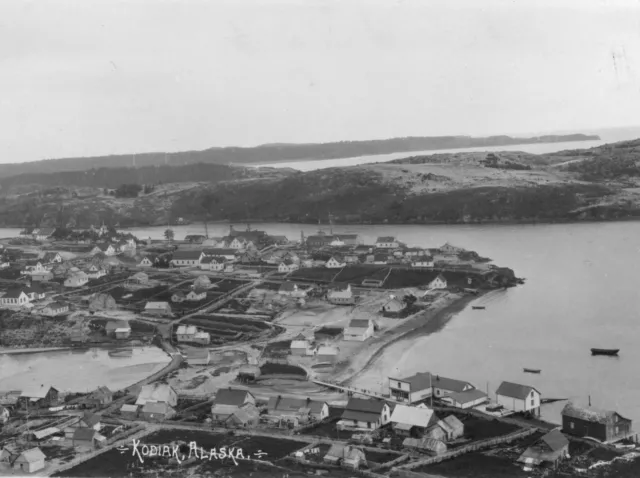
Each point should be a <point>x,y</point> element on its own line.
<point>89,77</point>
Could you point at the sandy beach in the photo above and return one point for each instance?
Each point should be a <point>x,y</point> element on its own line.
<point>367,369</point>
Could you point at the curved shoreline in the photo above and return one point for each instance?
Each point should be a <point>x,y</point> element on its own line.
<point>418,325</point>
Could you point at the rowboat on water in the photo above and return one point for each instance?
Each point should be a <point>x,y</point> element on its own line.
<point>531,370</point>
<point>478,307</point>
<point>609,352</point>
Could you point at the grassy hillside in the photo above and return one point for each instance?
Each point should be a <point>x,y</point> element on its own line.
<point>596,184</point>
<point>269,153</point>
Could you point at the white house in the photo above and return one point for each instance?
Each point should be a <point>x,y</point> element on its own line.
<point>414,252</point>
<point>387,242</point>
<point>30,461</point>
<point>186,333</point>
<point>239,243</point>
<point>438,283</point>
<point>146,262</point>
<point>76,279</point>
<point>341,294</point>
<point>196,295</point>
<point>300,347</point>
<point>43,233</point>
<point>228,253</point>
<point>519,398</point>
<point>443,386</point>
<point>464,400</point>
<point>215,264</point>
<point>51,257</point>
<point>425,262</point>
<point>157,308</point>
<point>364,414</point>
<point>359,330</point>
<point>336,242</point>
<point>411,389</point>
<point>336,262</point>
<point>95,272</point>
<point>14,298</point>
<point>106,249</point>
<point>35,292</point>
<point>292,289</point>
<point>404,419</point>
<point>186,258</point>
<point>55,308</point>
<point>287,266</point>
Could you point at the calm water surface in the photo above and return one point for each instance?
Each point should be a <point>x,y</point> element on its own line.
<point>581,291</point>
<point>538,148</point>
<point>79,370</point>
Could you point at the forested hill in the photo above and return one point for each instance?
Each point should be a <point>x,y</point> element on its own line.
<point>278,152</point>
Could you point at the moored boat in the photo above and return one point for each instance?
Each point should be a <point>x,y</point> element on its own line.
<point>478,307</point>
<point>609,352</point>
<point>531,370</point>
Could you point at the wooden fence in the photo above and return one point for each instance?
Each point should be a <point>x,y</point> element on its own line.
<point>481,445</point>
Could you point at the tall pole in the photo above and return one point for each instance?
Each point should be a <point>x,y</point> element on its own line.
<point>431,387</point>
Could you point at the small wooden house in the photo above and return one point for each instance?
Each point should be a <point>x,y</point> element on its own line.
<point>30,461</point>
<point>129,412</point>
<point>156,411</point>
<point>551,448</point>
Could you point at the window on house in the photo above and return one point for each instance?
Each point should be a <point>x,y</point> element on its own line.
<point>532,401</point>
<point>571,425</point>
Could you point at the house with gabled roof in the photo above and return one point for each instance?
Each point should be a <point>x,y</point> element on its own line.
<point>158,308</point>
<point>39,396</point>
<point>387,242</point>
<point>99,397</point>
<point>148,261</point>
<point>359,330</point>
<point>90,420</point>
<point>411,421</point>
<point>467,399</point>
<point>30,461</point>
<point>287,266</point>
<point>228,400</point>
<point>55,308</point>
<point>412,389</point>
<point>14,298</point>
<point>340,294</point>
<point>104,248</point>
<point>43,233</point>
<point>51,257</point>
<point>228,253</point>
<point>366,414</point>
<point>518,398</point>
<point>196,294</point>
<point>293,289</point>
<point>157,392</point>
<point>335,262</point>
<point>443,386</point>
<point>604,425</point>
<point>550,448</point>
<point>156,411</point>
<point>303,409</point>
<point>187,258</point>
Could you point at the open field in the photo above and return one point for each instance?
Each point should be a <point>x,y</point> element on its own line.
<point>475,465</point>
<point>114,463</point>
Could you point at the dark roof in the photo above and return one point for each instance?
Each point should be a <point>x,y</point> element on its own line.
<point>590,414</point>
<point>230,396</point>
<point>217,251</point>
<point>359,323</point>
<point>419,381</point>
<point>289,286</point>
<point>514,390</point>
<point>186,255</point>
<point>294,404</point>
<point>365,405</point>
<point>101,391</point>
<point>450,384</point>
<point>555,440</point>
<point>337,286</point>
<point>13,293</point>
<point>56,305</point>
<point>84,434</point>
<point>386,239</point>
<point>91,419</point>
<point>35,287</point>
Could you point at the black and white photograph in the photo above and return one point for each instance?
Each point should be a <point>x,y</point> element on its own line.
<point>332,238</point>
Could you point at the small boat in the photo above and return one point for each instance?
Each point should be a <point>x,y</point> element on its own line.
<point>609,352</point>
<point>531,370</point>
<point>121,353</point>
<point>478,307</point>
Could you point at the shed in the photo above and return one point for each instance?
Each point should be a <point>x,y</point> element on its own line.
<point>156,411</point>
<point>456,427</point>
<point>102,301</point>
<point>84,437</point>
<point>407,420</point>
<point>30,460</point>
<point>551,448</point>
<point>604,425</point>
<point>426,444</point>
<point>130,412</point>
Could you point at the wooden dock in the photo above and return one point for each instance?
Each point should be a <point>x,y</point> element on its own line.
<point>350,391</point>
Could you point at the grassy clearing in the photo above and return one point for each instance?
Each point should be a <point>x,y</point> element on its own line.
<point>474,465</point>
